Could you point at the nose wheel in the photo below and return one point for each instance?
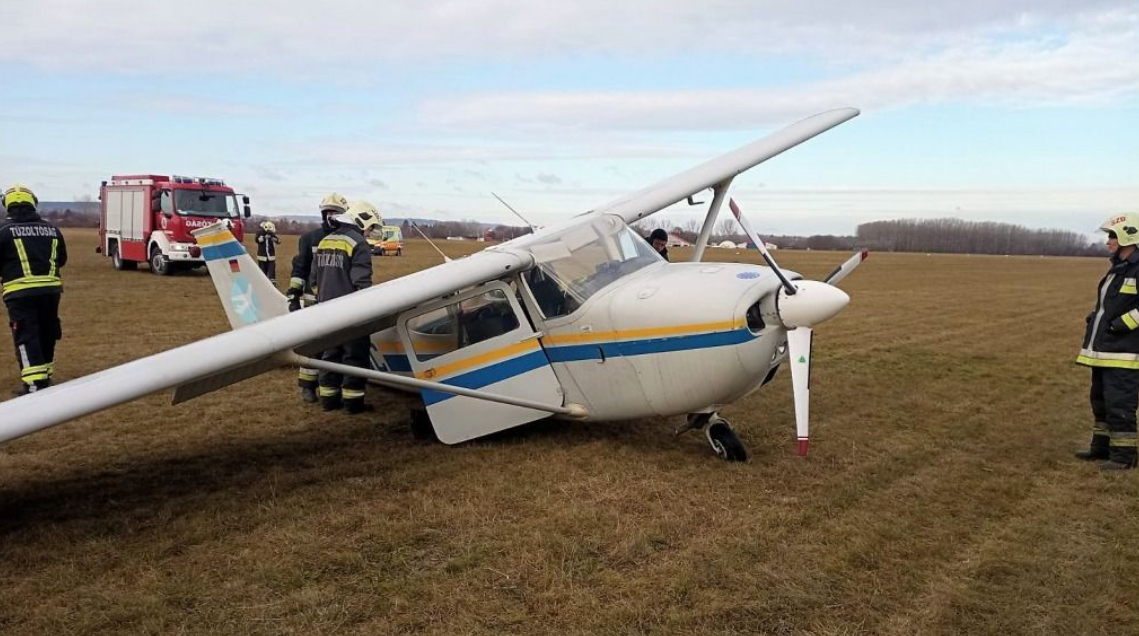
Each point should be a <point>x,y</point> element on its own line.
<point>721,436</point>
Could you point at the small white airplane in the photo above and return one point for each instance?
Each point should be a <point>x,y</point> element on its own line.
<point>580,321</point>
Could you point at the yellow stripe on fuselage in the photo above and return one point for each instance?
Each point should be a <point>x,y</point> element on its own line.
<point>446,370</point>
<point>652,332</point>
<point>216,239</point>
<point>421,346</point>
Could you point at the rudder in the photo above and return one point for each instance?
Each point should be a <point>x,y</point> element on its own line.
<point>247,295</point>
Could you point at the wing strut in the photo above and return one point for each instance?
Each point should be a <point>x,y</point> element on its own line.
<point>710,220</point>
<point>572,410</point>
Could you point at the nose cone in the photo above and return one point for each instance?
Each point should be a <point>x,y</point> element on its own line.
<point>814,303</point>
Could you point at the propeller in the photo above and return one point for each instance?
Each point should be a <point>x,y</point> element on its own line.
<point>844,270</point>
<point>802,305</point>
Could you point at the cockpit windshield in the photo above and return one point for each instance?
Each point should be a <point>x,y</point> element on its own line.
<point>578,263</point>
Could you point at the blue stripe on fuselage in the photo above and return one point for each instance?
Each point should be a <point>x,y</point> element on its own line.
<point>599,350</point>
<point>229,249</point>
<point>488,375</point>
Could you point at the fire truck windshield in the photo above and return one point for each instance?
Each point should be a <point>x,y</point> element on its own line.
<point>222,205</point>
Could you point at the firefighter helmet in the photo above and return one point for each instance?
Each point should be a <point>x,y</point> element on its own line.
<point>335,203</point>
<point>269,227</point>
<point>1125,227</point>
<point>364,215</point>
<point>20,194</point>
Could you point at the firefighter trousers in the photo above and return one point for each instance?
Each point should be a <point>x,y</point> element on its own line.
<point>35,330</point>
<point>354,352</point>
<point>269,268</point>
<point>1114,398</point>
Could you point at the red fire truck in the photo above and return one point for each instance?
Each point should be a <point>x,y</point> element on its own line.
<point>147,218</point>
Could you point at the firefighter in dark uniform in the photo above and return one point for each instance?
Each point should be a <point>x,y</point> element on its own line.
<point>32,252</point>
<point>300,292</point>
<point>1111,349</point>
<point>267,241</point>
<point>343,264</point>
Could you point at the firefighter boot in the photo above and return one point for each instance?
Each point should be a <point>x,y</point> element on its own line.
<point>1097,451</point>
<point>1121,459</point>
<point>25,389</point>
<point>331,403</point>
<point>308,394</point>
<point>357,405</point>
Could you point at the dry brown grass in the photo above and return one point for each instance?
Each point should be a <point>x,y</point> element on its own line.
<point>940,496</point>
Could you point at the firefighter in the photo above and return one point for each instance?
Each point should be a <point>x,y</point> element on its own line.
<point>300,292</point>
<point>32,252</point>
<point>1111,349</point>
<point>267,241</point>
<point>343,264</point>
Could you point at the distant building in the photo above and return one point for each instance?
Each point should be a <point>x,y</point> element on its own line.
<point>726,245</point>
<point>675,240</point>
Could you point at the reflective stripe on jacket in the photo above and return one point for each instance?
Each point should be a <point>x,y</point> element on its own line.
<point>31,256</point>
<point>1112,336</point>
<point>343,264</point>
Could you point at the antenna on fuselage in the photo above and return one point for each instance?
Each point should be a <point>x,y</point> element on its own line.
<point>533,228</point>
<point>446,259</point>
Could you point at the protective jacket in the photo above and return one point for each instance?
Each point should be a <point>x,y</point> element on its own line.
<point>343,264</point>
<point>301,279</point>
<point>1112,336</point>
<point>267,246</point>
<point>32,252</point>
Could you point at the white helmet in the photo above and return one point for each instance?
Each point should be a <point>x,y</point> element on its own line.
<point>269,227</point>
<point>335,203</point>
<point>363,215</point>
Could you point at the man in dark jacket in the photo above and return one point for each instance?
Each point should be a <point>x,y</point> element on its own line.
<point>300,282</point>
<point>1111,349</point>
<point>659,240</point>
<point>343,264</point>
<point>32,252</point>
<point>267,241</point>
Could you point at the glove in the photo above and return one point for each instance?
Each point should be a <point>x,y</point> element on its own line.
<point>1117,328</point>
<point>294,297</point>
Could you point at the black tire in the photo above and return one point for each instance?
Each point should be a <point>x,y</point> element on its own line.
<point>725,442</point>
<point>118,262</point>
<point>159,266</point>
<point>399,252</point>
<point>382,253</point>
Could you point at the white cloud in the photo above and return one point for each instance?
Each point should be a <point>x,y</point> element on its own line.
<point>295,38</point>
<point>1093,67</point>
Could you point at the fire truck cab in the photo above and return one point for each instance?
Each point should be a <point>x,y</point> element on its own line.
<point>148,219</point>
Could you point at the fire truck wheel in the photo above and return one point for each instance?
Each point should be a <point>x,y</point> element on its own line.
<point>158,263</point>
<point>117,260</point>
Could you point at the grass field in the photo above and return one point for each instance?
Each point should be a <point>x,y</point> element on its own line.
<point>940,496</point>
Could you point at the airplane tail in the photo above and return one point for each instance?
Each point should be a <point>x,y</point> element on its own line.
<point>247,295</point>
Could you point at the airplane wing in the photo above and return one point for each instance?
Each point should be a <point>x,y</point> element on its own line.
<point>681,186</point>
<point>250,349</point>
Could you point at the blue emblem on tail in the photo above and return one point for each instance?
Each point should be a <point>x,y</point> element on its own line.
<point>243,300</point>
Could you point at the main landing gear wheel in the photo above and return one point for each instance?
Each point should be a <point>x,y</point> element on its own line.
<point>724,441</point>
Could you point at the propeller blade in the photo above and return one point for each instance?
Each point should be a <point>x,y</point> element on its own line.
<point>844,270</point>
<point>761,246</point>
<point>799,349</point>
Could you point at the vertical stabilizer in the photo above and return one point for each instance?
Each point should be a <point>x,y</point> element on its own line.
<point>246,293</point>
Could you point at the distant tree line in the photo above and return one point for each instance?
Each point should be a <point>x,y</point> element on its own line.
<point>957,236</point>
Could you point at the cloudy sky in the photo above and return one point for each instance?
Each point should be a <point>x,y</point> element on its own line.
<point>1015,111</point>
